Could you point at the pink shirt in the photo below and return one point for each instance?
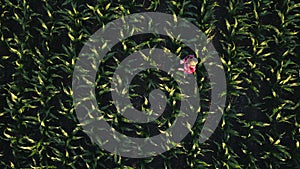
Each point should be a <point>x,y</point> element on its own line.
<point>187,68</point>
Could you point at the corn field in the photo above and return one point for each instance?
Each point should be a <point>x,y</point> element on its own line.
<point>257,41</point>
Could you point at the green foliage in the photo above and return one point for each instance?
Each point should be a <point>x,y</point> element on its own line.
<point>259,47</point>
